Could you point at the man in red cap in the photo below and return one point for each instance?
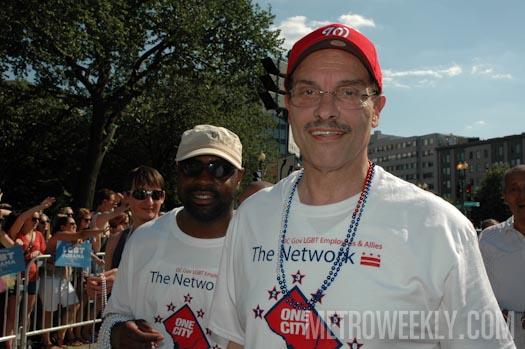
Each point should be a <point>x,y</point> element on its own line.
<point>343,254</point>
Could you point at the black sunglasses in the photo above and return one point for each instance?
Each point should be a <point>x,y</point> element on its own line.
<point>216,169</point>
<point>142,194</point>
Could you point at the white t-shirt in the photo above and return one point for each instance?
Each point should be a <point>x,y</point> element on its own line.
<point>503,251</point>
<point>167,277</point>
<point>414,261</point>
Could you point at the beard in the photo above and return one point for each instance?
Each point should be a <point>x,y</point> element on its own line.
<point>207,213</point>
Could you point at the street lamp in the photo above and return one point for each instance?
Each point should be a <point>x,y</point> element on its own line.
<point>261,158</point>
<point>462,168</point>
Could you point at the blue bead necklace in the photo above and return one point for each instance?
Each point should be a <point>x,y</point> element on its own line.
<point>344,248</point>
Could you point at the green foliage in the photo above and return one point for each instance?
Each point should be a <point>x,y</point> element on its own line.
<point>489,194</point>
<point>121,80</point>
<point>39,142</point>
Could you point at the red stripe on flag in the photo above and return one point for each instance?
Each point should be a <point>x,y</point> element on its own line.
<point>371,261</point>
<point>371,264</point>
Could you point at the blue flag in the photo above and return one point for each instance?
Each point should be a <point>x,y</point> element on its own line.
<point>71,255</point>
<point>12,260</point>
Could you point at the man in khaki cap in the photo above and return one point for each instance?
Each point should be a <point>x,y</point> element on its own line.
<point>169,267</point>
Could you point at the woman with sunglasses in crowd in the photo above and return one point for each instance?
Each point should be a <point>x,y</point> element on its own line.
<point>57,288</point>
<point>23,230</point>
<point>83,219</point>
<point>44,226</point>
<point>144,198</point>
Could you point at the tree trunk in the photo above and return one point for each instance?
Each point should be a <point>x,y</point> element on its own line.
<point>101,136</point>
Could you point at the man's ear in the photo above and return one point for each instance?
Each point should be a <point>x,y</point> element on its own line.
<point>240,176</point>
<point>378,106</point>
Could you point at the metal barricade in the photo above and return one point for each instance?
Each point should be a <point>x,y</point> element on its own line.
<point>10,310</point>
<point>61,303</point>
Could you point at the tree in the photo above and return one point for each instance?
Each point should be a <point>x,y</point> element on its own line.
<point>159,119</point>
<point>97,57</point>
<point>489,195</point>
<point>39,139</point>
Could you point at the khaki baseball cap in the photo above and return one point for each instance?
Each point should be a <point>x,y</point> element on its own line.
<point>211,140</point>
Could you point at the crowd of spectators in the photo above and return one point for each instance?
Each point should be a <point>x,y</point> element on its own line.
<point>60,295</point>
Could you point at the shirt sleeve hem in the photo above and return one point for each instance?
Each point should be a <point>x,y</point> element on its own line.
<point>220,332</point>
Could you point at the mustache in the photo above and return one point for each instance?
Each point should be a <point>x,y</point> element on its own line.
<point>201,188</point>
<point>328,124</point>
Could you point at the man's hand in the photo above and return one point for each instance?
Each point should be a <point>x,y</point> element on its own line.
<point>94,283</point>
<point>135,334</point>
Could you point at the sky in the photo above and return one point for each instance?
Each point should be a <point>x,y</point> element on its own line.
<point>449,66</point>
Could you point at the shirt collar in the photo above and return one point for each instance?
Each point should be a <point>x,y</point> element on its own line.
<point>508,227</point>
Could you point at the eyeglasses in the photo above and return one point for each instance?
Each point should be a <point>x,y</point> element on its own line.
<point>142,194</point>
<point>346,97</point>
<point>43,221</point>
<point>216,169</point>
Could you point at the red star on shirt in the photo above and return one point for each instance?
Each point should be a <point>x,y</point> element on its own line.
<point>188,298</point>
<point>354,344</point>
<point>273,293</point>
<point>171,307</point>
<point>298,277</point>
<point>258,312</point>
<point>321,295</point>
<point>335,320</point>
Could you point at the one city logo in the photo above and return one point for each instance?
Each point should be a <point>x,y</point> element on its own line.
<point>300,328</point>
<point>185,330</point>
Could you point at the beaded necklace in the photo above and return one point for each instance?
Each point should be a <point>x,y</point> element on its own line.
<point>104,300</point>
<point>104,290</point>
<point>343,249</point>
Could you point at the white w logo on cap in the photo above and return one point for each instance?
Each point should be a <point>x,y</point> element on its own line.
<point>336,31</point>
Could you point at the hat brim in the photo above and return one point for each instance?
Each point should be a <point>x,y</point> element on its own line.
<point>211,151</point>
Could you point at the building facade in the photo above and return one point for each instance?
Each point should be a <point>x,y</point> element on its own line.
<point>450,166</point>
<point>413,159</point>
<point>462,167</point>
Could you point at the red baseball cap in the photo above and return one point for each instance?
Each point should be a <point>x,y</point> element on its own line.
<point>341,37</point>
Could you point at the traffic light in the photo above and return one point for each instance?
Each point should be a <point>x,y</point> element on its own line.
<point>257,176</point>
<point>273,82</point>
<point>468,192</point>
